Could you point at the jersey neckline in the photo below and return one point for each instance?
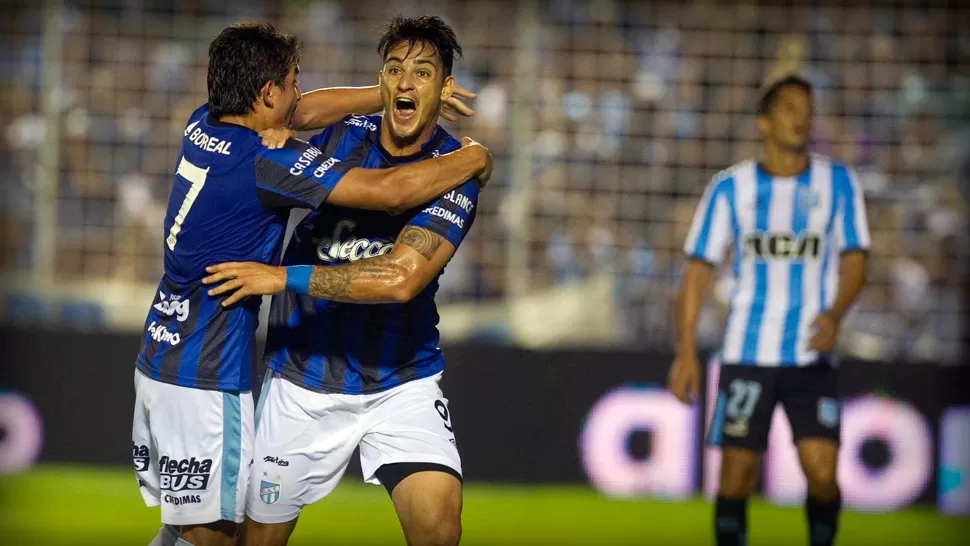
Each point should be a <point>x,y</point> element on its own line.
<point>212,121</point>
<point>797,176</point>
<point>437,138</point>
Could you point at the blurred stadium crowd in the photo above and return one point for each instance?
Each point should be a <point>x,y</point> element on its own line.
<point>636,106</point>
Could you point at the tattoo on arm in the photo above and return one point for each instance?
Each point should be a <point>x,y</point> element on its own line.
<point>368,280</point>
<point>422,240</point>
<point>328,282</point>
<point>345,282</point>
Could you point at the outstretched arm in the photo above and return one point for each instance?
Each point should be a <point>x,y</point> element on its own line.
<point>397,277</point>
<point>291,173</point>
<point>407,186</point>
<point>323,107</point>
<point>421,251</point>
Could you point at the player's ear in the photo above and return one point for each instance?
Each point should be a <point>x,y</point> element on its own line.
<point>448,88</point>
<point>267,94</point>
<point>763,124</point>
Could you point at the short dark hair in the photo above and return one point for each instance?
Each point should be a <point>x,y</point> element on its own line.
<point>427,29</point>
<point>770,93</point>
<point>242,58</point>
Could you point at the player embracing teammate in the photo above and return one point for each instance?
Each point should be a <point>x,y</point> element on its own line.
<point>193,429</point>
<point>353,352</point>
<point>352,347</point>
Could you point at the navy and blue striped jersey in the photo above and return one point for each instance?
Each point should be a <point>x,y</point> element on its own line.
<point>230,201</point>
<point>336,347</point>
<point>787,235</point>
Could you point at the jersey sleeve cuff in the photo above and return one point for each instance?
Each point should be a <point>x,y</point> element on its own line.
<point>848,249</point>
<point>700,258</point>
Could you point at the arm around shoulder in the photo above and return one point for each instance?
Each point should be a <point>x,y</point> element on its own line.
<point>407,186</point>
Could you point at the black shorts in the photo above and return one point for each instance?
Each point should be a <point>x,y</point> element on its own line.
<point>747,396</point>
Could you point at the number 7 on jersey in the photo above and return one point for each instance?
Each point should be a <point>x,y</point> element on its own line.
<point>196,176</point>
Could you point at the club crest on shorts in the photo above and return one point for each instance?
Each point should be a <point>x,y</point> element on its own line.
<point>269,492</point>
<point>828,411</point>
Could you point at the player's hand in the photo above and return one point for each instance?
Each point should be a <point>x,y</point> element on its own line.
<point>485,174</point>
<point>246,278</point>
<point>455,107</point>
<point>826,328</point>
<point>275,139</point>
<point>684,379</point>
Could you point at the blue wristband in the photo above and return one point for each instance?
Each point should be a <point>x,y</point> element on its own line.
<point>298,278</point>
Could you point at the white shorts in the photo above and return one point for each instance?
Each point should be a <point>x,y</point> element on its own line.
<point>304,440</point>
<point>192,450</point>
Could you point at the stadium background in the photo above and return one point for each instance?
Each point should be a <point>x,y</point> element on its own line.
<point>606,119</point>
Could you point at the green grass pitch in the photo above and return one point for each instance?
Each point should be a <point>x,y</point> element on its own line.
<point>55,505</point>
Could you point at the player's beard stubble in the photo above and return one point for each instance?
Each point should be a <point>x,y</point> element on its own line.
<point>405,134</point>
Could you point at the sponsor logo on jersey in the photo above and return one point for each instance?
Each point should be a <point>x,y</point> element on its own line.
<point>184,499</point>
<point>160,334</point>
<point>361,122</point>
<point>446,214</point>
<point>279,461</point>
<point>183,474</point>
<point>305,160</point>
<point>828,412</point>
<point>325,166</point>
<point>781,245</point>
<point>139,455</point>
<point>205,142</point>
<point>269,492</point>
<point>172,305</point>
<point>460,200</point>
<point>343,246</point>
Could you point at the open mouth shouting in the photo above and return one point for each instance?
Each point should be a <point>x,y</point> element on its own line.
<point>404,108</point>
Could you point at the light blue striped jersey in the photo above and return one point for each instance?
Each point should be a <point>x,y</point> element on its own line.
<point>787,234</point>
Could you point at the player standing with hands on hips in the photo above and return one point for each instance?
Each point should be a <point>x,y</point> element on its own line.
<point>800,239</point>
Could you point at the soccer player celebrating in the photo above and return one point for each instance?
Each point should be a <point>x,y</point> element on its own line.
<point>800,238</point>
<point>192,436</point>
<point>342,374</point>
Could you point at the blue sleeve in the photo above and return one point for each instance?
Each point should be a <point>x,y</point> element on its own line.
<point>712,226</point>
<point>452,214</point>
<point>298,175</point>
<point>851,224</point>
<point>321,139</point>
